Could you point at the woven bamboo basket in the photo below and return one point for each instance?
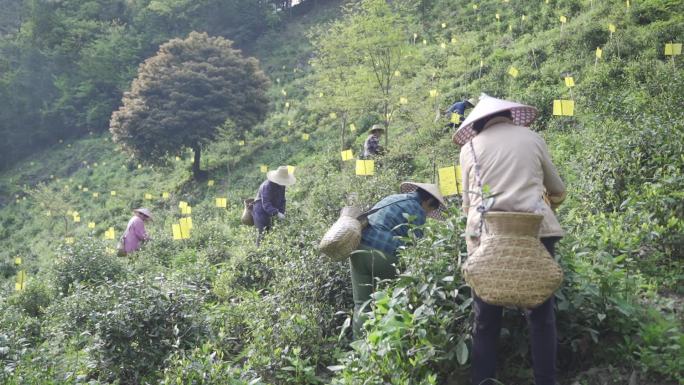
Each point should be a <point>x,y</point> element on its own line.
<point>511,267</point>
<point>247,217</point>
<point>344,236</point>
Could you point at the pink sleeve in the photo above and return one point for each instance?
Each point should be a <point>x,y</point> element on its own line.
<point>139,230</point>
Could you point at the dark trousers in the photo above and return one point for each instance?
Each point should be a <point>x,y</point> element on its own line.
<point>262,221</point>
<point>542,323</point>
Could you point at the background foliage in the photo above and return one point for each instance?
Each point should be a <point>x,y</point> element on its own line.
<point>216,309</point>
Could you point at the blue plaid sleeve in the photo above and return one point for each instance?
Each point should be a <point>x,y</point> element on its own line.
<point>388,224</point>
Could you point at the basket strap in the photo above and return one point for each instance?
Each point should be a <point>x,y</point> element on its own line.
<point>481,208</point>
<point>366,214</point>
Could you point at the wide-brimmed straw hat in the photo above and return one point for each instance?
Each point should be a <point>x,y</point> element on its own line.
<point>472,102</point>
<point>281,176</point>
<point>522,115</point>
<point>144,212</point>
<point>377,127</point>
<point>430,188</point>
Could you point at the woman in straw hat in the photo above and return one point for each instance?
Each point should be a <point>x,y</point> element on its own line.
<point>135,233</point>
<point>459,109</point>
<point>372,146</point>
<point>270,199</point>
<point>379,241</point>
<point>498,150</point>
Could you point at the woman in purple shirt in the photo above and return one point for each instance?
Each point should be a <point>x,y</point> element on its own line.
<point>135,232</point>
<point>270,199</point>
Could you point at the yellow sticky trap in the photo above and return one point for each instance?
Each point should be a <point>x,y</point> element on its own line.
<point>347,155</point>
<point>433,93</point>
<point>165,195</point>
<point>263,168</point>
<point>397,73</point>
<point>112,193</point>
<point>21,280</point>
<point>498,17</point>
<point>320,94</point>
<point>611,28</point>
<point>523,17</point>
<point>563,19</point>
<point>187,210</point>
<point>182,204</point>
<point>283,92</point>
<point>510,28</point>
<point>455,118</point>
<point>285,139</point>
<point>443,25</point>
<point>424,42</point>
<point>177,158</point>
<point>17,261</point>
<point>210,182</point>
<point>189,221</point>
<point>184,228</point>
<point>85,189</point>
<point>513,72</point>
<point>599,52</point>
<point>305,136</point>
<point>91,225</point>
<point>148,196</point>
<point>352,127</point>
<point>333,115</point>
<point>569,81</point>
<point>222,203</point>
<point>69,240</point>
<point>176,231</point>
<point>442,45</point>
<point>291,169</point>
<point>96,195</point>
<point>449,180</point>
<point>241,143</point>
<point>403,100</point>
<point>287,104</point>
<point>563,107</point>
<point>627,3</point>
<point>139,166</point>
<point>77,218</point>
<point>289,122</point>
<point>481,63</point>
<point>109,233</point>
<point>453,40</point>
<point>673,49</point>
<point>365,167</point>
<point>48,213</point>
<point>474,6</point>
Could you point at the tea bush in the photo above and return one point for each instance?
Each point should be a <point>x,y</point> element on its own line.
<point>86,262</point>
<point>140,323</point>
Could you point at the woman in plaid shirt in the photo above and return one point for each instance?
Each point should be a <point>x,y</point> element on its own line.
<point>381,239</point>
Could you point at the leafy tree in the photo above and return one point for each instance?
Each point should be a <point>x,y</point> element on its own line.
<point>184,93</point>
<point>373,36</point>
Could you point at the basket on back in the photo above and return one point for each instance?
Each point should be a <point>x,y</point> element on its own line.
<point>344,236</point>
<point>511,267</point>
<point>247,217</point>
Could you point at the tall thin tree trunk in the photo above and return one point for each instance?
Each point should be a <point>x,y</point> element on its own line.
<point>196,163</point>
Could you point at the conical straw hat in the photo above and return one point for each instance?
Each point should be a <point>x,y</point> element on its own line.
<point>377,127</point>
<point>432,189</point>
<point>523,115</point>
<point>144,212</point>
<point>281,176</point>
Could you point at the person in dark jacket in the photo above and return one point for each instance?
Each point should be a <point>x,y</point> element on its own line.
<point>270,199</point>
<point>380,239</point>
<point>371,146</point>
<point>459,109</point>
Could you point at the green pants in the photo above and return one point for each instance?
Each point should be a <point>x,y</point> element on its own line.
<point>366,265</point>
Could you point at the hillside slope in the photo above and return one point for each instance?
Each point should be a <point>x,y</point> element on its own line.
<point>216,309</point>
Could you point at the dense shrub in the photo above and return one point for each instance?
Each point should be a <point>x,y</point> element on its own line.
<point>141,322</point>
<point>87,262</point>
